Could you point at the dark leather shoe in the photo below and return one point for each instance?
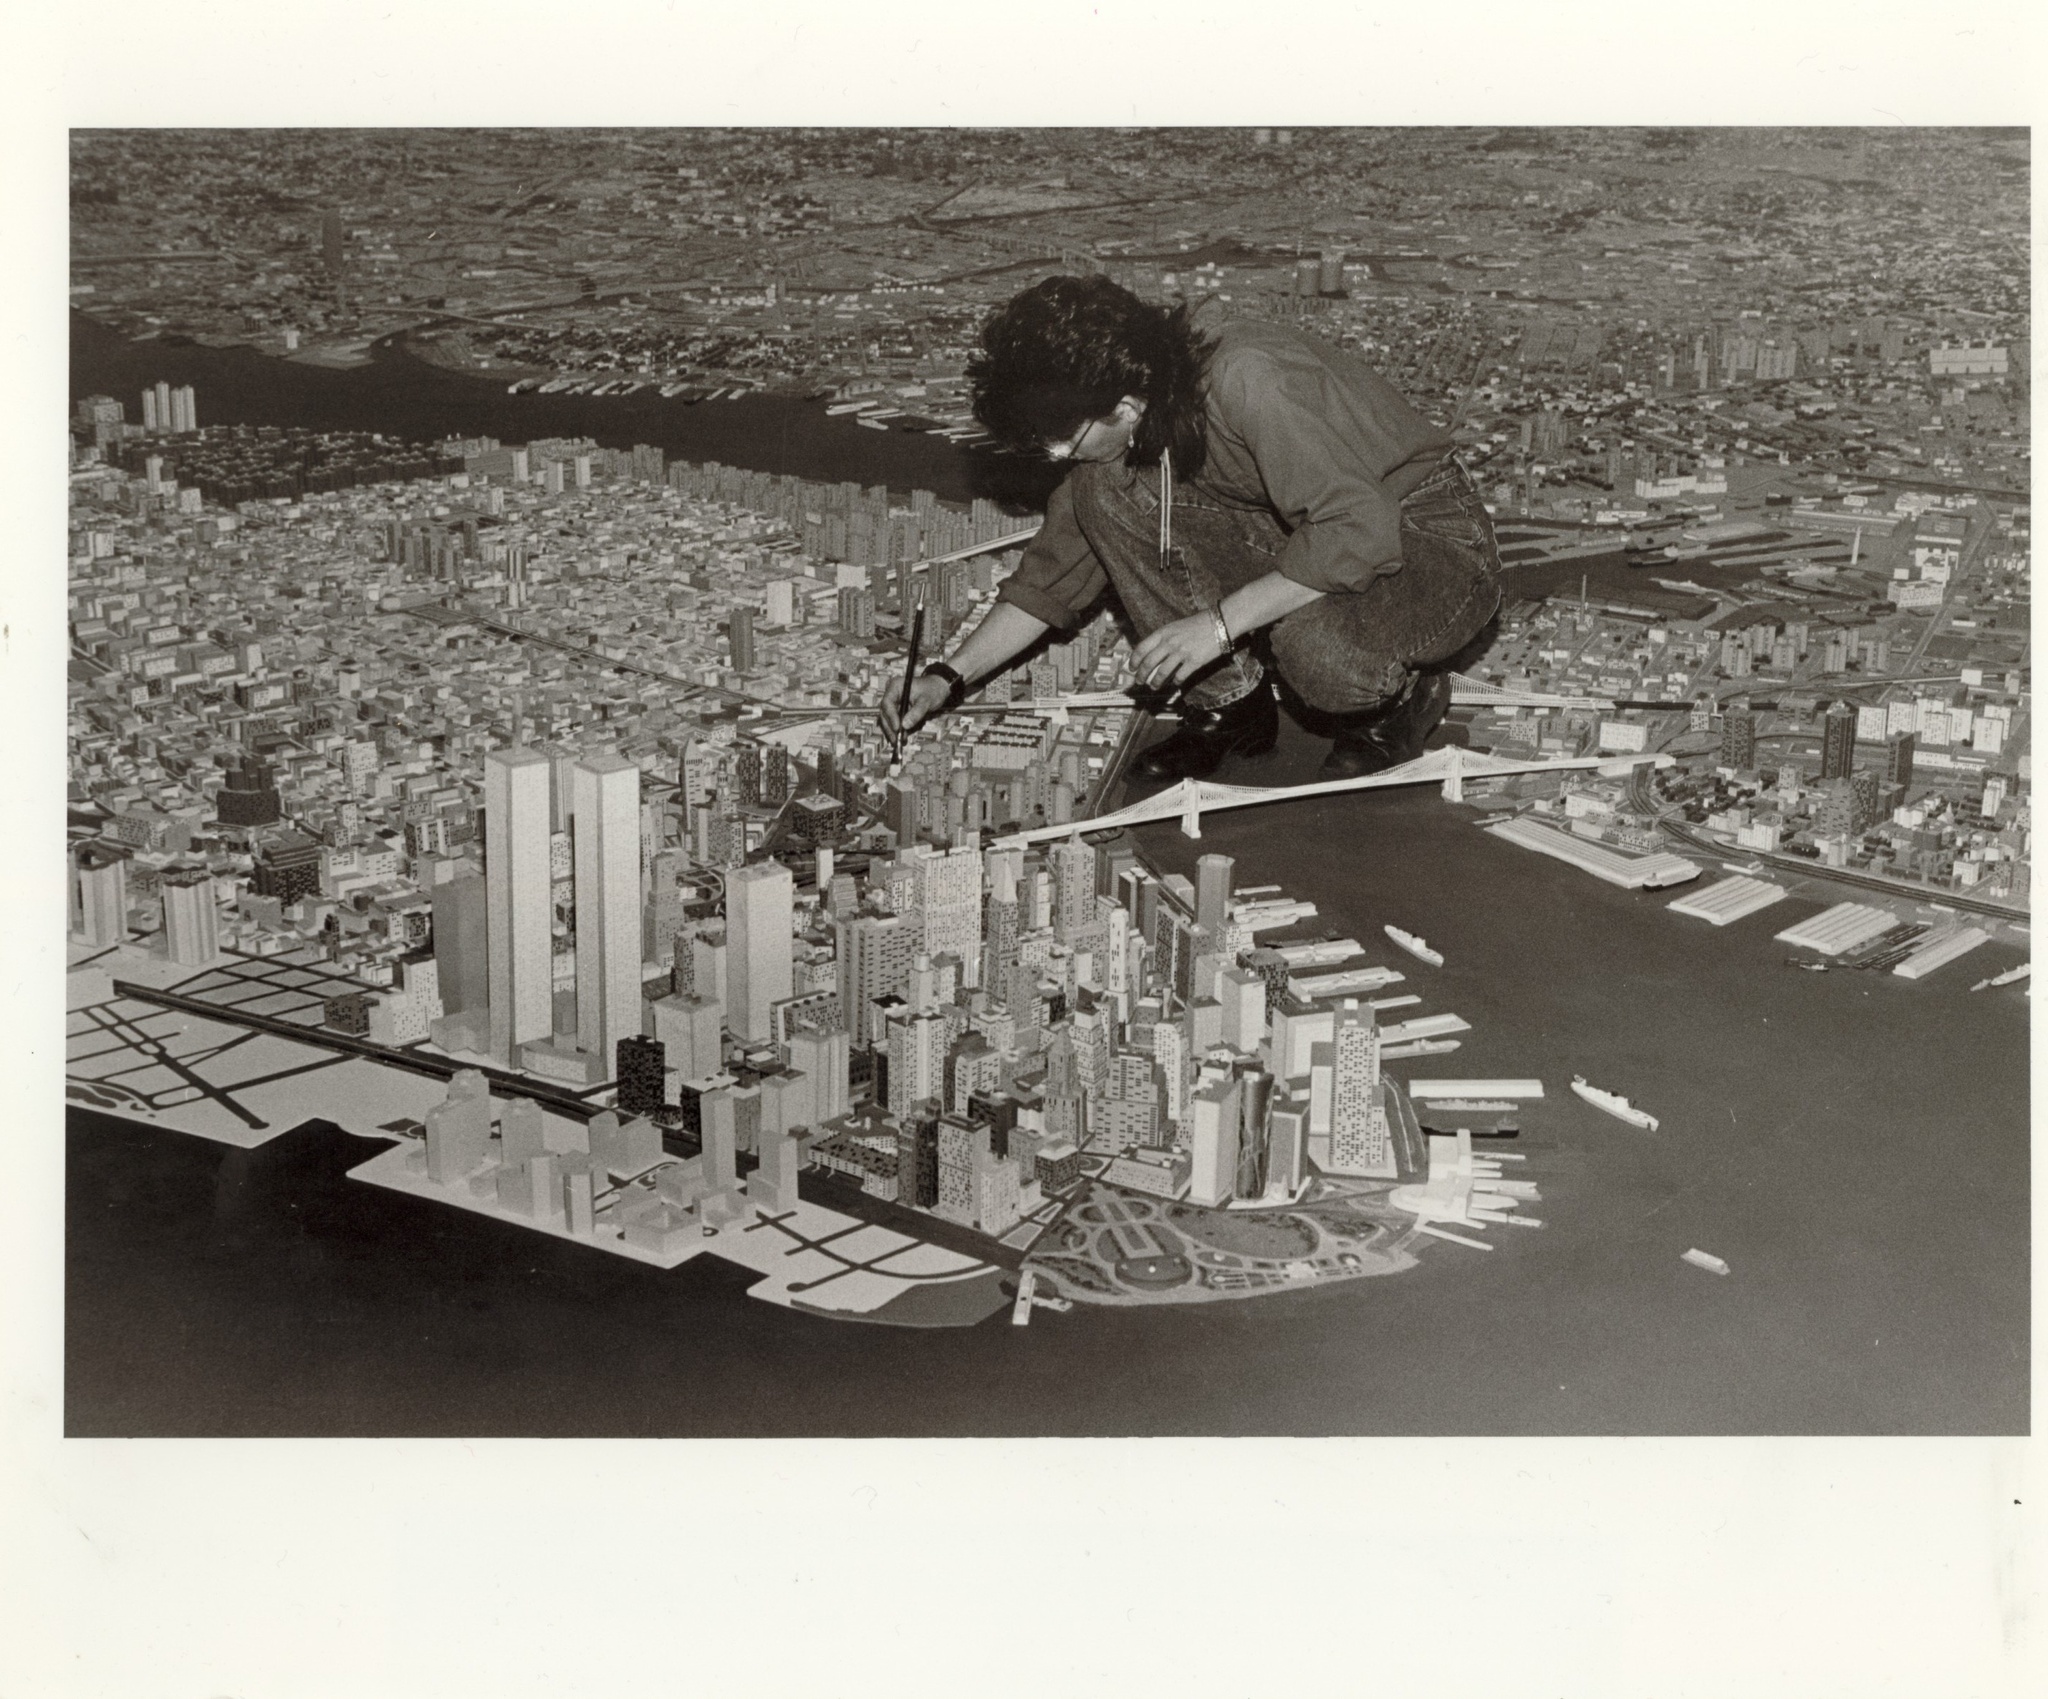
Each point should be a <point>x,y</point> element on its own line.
<point>1385,737</point>
<point>1248,726</point>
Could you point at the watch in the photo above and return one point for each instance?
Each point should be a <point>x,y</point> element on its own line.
<point>956,686</point>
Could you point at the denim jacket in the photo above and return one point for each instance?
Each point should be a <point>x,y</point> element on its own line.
<point>1295,426</point>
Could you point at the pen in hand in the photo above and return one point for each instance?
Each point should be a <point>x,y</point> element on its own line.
<point>910,670</point>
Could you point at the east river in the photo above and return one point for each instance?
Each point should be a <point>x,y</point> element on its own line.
<point>1854,1145</point>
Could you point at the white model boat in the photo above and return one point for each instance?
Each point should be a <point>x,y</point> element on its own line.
<point>1415,946</point>
<point>1020,1311</point>
<point>1409,1048</point>
<point>1614,1103</point>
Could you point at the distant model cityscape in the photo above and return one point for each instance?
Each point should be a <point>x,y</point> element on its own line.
<point>552,766</point>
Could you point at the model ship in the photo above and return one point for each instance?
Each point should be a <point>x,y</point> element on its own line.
<point>1614,1103</point>
<point>1411,1047</point>
<point>1415,946</point>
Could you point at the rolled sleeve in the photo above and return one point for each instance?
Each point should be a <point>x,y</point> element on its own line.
<point>1059,578</point>
<point>1346,523</point>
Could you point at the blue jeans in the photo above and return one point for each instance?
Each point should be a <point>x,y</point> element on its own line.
<point>1348,652</point>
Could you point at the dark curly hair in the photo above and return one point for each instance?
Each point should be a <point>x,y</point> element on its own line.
<point>1067,350</point>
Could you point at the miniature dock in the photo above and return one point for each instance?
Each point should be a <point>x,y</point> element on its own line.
<point>1729,900</point>
<point>1631,872</point>
<point>1839,929</point>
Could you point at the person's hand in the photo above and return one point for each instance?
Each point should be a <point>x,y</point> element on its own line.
<point>1176,652</point>
<point>927,697</point>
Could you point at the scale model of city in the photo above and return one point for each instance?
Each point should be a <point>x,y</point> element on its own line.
<point>522,806</point>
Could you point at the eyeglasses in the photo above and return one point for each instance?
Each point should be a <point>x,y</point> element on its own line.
<point>1067,447</point>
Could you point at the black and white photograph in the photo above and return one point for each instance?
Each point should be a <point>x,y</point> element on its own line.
<point>1276,787</point>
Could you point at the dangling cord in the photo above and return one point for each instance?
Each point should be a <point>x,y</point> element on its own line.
<point>1165,507</point>
<point>1166,526</point>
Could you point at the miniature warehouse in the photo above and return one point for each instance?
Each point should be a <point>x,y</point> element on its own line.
<point>479,602</point>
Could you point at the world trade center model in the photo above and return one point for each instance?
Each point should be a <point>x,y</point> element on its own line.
<point>517,904</point>
<point>516,800</point>
<point>608,898</point>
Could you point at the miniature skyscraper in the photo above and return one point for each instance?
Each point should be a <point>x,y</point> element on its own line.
<point>642,1075</point>
<point>607,816</point>
<point>719,1138</point>
<point>461,943</point>
<point>1212,888</point>
<point>1360,1141</point>
<point>1218,1118</point>
<point>1738,739</point>
<point>949,898</point>
<point>1243,995</point>
<point>102,895</point>
<point>191,930</point>
<point>823,1057</point>
<point>1898,766</point>
<point>773,1185</point>
<point>1255,1104</point>
<point>1838,742</point>
<point>517,899</point>
<point>759,902</point>
<point>1073,875</point>
<point>1287,1146</point>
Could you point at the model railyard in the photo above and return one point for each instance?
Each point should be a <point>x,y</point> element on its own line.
<point>689,980</point>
